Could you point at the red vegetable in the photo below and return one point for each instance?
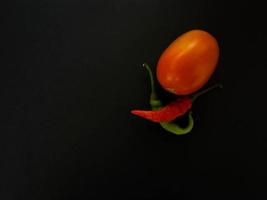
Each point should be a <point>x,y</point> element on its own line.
<point>173,110</point>
<point>188,63</point>
<point>168,113</point>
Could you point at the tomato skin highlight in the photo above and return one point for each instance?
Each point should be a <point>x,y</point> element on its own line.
<point>188,63</point>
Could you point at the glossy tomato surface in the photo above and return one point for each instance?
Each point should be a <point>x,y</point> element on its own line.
<point>188,63</point>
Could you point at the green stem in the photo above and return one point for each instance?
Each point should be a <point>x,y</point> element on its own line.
<point>195,96</point>
<point>152,82</point>
<point>154,101</point>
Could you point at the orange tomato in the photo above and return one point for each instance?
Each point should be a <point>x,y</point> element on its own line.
<point>188,63</point>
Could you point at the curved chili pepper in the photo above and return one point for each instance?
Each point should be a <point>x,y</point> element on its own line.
<point>167,113</point>
<point>173,110</point>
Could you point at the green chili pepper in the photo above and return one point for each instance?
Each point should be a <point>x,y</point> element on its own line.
<point>156,104</point>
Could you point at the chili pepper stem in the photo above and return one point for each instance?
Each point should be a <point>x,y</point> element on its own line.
<point>152,82</point>
<point>154,101</point>
<point>195,96</point>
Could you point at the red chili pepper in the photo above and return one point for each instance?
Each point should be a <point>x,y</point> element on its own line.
<point>173,110</point>
<point>168,113</point>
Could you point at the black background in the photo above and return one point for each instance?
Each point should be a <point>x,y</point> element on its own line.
<point>71,72</point>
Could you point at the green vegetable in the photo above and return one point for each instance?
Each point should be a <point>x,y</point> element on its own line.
<point>156,104</point>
